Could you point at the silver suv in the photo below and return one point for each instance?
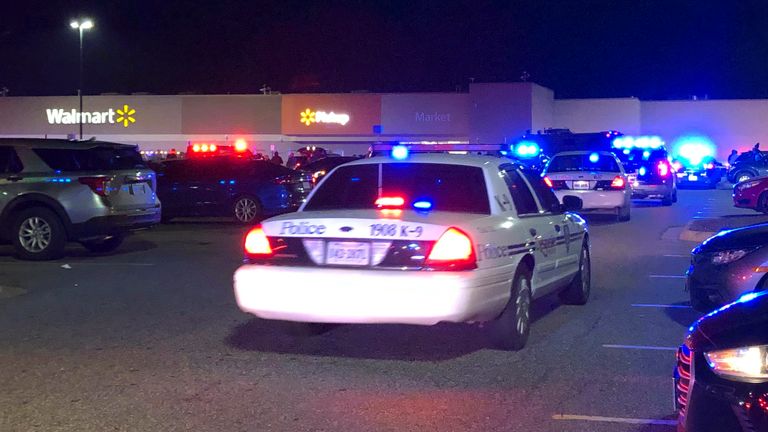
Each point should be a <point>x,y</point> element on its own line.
<point>54,191</point>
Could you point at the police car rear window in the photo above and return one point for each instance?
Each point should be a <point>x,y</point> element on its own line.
<point>93,159</point>
<point>583,162</point>
<point>453,188</point>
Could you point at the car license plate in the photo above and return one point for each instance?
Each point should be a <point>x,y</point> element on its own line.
<point>693,177</point>
<point>348,253</point>
<point>581,184</point>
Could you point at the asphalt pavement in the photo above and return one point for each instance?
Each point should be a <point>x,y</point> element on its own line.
<point>150,339</point>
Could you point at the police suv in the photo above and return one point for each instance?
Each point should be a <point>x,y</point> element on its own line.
<point>419,239</point>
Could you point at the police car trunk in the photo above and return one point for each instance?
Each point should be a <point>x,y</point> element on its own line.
<point>376,242</point>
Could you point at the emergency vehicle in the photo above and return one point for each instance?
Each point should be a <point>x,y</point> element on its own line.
<point>419,239</point>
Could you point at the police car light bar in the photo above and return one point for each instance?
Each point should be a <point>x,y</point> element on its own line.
<point>387,149</point>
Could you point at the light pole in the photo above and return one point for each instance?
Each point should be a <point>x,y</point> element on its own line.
<point>85,24</point>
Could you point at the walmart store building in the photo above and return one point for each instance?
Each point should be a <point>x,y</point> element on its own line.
<point>348,123</point>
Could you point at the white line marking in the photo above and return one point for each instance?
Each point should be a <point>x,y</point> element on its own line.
<point>614,419</point>
<point>676,256</point>
<point>668,276</point>
<point>661,305</point>
<point>75,264</point>
<point>641,347</point>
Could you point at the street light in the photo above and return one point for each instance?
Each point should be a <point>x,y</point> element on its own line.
<point>85,24</point>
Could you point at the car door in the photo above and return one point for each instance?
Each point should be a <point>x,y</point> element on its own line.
<point>10,181</point>
<point>566,248</point>
<point>542,233</point>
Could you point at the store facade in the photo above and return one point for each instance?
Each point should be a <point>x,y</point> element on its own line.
<point>348,123</point>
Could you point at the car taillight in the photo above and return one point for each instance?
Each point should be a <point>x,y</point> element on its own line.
<point>257,243</point>
<point>390,202</point>
<point>99,185</point>
<point>453,250</point>
<point>618,183</point>
<point>548,182</point>
<point>663,169</point>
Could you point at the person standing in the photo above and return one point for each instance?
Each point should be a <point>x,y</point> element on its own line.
<point>732,157</point>
<point>276,159</point>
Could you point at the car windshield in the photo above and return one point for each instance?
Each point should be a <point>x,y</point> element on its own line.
<point>583,162</point>
<point>454,188</point>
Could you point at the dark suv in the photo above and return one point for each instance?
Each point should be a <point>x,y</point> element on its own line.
<point>650,173</point>
<point>749,165</point>
<point>245,189</point>
<point>54,191</point>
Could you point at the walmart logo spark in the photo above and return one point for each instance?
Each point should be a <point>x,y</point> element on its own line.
<point>126,115</point>
<point>307,117</point>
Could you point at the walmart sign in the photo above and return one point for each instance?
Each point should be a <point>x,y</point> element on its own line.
<point>124,116</point>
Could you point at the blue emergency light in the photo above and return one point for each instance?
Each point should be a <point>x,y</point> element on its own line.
<point>399,152</point>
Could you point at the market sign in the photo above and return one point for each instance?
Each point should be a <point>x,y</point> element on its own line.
<point>124,116</point>
<point>308,117</point>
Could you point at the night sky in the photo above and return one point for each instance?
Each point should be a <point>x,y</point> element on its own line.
<point>645,48</point>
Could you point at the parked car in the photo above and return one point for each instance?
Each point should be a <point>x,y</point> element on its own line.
<point>650,173</point>
<point>752,194</point>
<point>321,167</point>
<point>728,265</point>
<point>598,178</point>
<point>55,191</point>
<point>748,166</point>
<point>707,173</point>
<point>305,155</point>
<point>721,377</point>
<point>245,189</point>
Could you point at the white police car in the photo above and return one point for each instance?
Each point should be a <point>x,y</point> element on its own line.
<point>419,239</point>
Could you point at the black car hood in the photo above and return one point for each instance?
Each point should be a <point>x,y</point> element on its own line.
<point>739,238</point>
<point>739,324</point>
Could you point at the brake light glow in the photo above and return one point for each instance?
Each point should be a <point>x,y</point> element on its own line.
<point>663,169</point>
<point>453,247</point>
<point>257,243</point>
<point>548,182</point>
<point>196,148</point>
<point>99,185</point>
<point>618,183</point>
<point>390,202</point>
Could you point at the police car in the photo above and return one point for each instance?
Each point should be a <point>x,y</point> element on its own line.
<point>419,239</point>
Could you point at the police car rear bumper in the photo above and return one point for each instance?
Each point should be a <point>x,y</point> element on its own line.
<point>597,200</point>
<point>332,295</point>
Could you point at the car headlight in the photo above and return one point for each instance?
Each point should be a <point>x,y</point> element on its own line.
<point>747,362</point>
<point>728,256</point>
<point>748,184</point>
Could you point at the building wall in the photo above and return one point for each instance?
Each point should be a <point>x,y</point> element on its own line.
<point>434,114</point>
<point>543,108</point>
<point>729,124</point>
<point>594,115</point>
<point>233,114</point>
<point>500,112</point>
<point>363,111</point>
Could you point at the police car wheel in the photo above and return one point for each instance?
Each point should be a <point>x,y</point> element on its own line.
<point>105,245</point>
<point>38,235</point>
<point>509,331</point>
<point>667,200</point>
<point>246,209</point>
<point>624,214</point>
<point>577,292</point>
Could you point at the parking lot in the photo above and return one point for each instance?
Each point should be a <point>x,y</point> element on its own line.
<point>150,338</point>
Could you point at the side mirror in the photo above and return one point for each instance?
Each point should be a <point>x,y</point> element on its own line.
<point>572,203</point>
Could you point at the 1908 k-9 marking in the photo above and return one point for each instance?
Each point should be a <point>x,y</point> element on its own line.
<point>391,230</point>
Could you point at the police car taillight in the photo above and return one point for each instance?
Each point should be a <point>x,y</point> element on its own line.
<point>257,243</point>
<point>663,169</point>
<point>390,202</point>
<point>453,250</point>
<point>618,183</point>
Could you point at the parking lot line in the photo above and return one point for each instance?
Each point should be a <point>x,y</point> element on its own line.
<point>614,419</point>
<point>667,276</point>
<point>676,256</point>
<point>640,347</point>
<point>661,306</point>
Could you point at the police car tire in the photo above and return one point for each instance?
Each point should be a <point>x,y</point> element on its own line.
<point>105,245</point>
<point>668,200</point>
<point>624,213</point>
<point>577,292</point>
<point>58,236</point>
<point>509,331</point>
